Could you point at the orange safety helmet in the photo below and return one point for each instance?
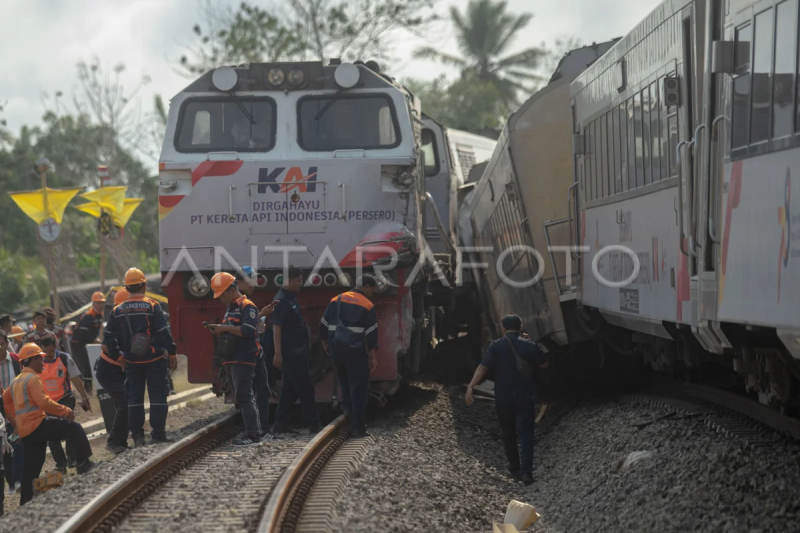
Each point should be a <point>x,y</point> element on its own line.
<point>220,283</point>
<point>134,276</point>
<point>98,297</point>
<point>121,296</point>
<point>30,350</point>
<point>16,329</point>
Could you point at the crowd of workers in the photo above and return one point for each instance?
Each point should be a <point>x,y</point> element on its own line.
<point>42,369</point>
<point>39,382</point>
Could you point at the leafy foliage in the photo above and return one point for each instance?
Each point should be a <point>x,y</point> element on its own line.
<point>301,30</point>
<point>250,34</point>
<point>101,127</point>
<point>468,104</point>
<point>484,33</point>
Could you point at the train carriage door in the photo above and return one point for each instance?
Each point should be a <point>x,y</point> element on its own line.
<point>687,266</point>
<point>439,182</point>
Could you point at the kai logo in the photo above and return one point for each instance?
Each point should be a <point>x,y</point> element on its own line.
<point>285,180</point>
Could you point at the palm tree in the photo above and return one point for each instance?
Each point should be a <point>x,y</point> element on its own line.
<point>483,34</point>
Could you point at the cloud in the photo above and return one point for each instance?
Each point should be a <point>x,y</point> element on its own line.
<point>41,41</point>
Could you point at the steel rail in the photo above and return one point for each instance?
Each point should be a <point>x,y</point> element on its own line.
<point>745,406</point>
<point>112,505</point>
<point>284,507</point>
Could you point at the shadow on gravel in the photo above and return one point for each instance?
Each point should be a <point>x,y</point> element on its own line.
<point>477,430</point>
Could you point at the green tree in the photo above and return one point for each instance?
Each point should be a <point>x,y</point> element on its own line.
<point>484,34</point>
<point>250,34</point>
<point>465,103</point>
<point>302,29</point>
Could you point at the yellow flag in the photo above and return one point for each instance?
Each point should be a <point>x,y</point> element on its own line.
<point>32,203</point>
<point>128,208</point>
<point>110,198</point>
<point>120,219</point>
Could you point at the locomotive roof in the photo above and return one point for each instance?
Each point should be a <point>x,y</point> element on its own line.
<point>253,77</point>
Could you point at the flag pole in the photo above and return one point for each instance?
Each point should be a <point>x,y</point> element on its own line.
<point>42,166</point>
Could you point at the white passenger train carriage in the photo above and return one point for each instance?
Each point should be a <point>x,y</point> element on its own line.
<point>686,150</point>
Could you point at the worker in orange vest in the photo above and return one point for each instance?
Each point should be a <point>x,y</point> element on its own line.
<point>59,370</point>
<point>110,373</point>
<point>86,332</point>
<point>38,420</point>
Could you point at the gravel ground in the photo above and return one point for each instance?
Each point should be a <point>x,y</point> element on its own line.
<point>431,468</point>
<point>437,465</point>
<point>47,511</point>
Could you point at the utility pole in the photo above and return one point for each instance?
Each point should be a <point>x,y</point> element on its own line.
<point>42,166</point>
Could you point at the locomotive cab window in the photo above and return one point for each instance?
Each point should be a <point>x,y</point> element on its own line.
<point>431,151</point>
<point>347,122</point>
<point>225,124</point>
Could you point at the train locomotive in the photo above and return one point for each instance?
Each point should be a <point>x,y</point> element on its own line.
<point>319,166</point>
<point>666,168</point>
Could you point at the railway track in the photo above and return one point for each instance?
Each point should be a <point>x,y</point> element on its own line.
<point>204,483</point>
<point>732,414</point>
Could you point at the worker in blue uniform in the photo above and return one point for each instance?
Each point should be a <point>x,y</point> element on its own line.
<point>513,359</point>
<point>291,341</point>
<point>138,337</point>
<point>111,375</point>
<point>261,381</point>
<point>349,333</point>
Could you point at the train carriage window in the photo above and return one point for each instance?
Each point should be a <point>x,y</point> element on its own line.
<point>762,77</point>
<point>631,145</point>
<point>655,133</point>
<point>740,120</point>
<point>622,184</point>
<point>431,151</point>
<point>201,131</point>
<point>351,122</point>
<point>613,144</point>
<point>637,138</point>
<point>593,158</point>
<point>645,141</point>
<point>665,133</point>
<point>223,124</point>
<point>785,52</point>
<point>602,191</point>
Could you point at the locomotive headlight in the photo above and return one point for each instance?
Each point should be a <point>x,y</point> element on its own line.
<point>315,280</point>
<point>279,280</point>
<point>330,279</point>
<point>198,286</point>
<point>261,281</point>
<point>296,77</point>
<point>276,77</point>
<point>345,279</point>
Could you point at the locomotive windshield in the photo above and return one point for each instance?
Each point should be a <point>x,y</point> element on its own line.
<point>235,124</point>
<point>350,122</point>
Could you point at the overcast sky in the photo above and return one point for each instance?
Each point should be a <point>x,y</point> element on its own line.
<point>41,41</point>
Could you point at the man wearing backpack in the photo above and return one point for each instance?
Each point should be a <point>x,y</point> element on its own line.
<point>513,358</point>
<point>349,333</point>
<point>137,336</point>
